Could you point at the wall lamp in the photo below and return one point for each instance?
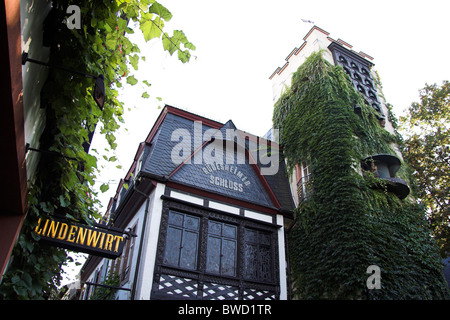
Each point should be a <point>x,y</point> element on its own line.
<point>99,89</point>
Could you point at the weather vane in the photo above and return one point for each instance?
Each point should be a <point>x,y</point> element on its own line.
<point>307,21</point>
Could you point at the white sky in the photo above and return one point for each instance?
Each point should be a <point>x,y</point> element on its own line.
<point>240,44</point>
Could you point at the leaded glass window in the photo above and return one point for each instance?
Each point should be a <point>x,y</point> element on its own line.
<point>258,256</point>
<point>208,255</point>
<point>182,240</point>
<point>221,253</point>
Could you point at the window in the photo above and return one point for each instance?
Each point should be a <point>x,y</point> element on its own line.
<point>304,187</point>
<point>210,255</point>
<point>122,265</point>
<point>182,240</point>
<point>139,163</point>
<point>221,249</point>
<point>258,257</point>
<point>128,257</point>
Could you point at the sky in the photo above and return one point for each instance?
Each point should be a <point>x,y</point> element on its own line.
<point>239,44</point>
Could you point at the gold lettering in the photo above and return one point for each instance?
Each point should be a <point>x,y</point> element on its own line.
<point>108,242</point>
<point>45,226</point>
<point>117,238</point>
<point>53,228</point>
<point>37,227</point>
<point>81,235</point>
<point>101,241</point>
<point>63,231</point>
<point>93,237</point>
<point>71,236</point>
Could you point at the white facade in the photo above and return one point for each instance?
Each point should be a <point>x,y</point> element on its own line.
<point>145,262</point>
<point>316,40</point>
<point>251,219</point>
<point>32,16</point>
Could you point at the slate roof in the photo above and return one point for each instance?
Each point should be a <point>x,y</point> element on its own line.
<point>182,127</point>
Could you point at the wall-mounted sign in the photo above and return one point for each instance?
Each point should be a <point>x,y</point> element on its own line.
<point>239,179</point>
<point>79,237</point>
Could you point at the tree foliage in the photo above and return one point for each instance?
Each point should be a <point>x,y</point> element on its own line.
<point>427,150</point>
<point>346,225</point>
<point>64,181</point>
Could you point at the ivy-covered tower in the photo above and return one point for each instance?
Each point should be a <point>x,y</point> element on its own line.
<point>359,233</point>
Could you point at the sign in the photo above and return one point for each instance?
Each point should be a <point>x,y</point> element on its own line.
<point>79,237</point>
<point>238,185</point>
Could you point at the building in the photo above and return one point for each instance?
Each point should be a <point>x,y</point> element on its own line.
<point>212,207</point>
<point>209,205</point>
<point>24,119</point>
<point>359,66</point>
<point>29,34</point>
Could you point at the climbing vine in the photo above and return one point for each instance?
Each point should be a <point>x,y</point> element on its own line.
<point>108,289</point>
<point>63,184</point>
<point>346,225</point>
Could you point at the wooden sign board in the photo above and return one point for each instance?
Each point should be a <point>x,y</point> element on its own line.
<point>80,237</point>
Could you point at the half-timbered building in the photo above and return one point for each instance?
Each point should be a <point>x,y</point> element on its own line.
<point>209,205</point>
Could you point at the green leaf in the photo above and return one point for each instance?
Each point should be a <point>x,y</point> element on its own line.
<point>63,201</point>
<point>151,28</point>
<point>21,291</point>
<point>134,59</point>
<point>184,56</point>
<point>104,187</point>
<point>45,207</point>
<point>189,46</point>
<point>168,44</point>
<point>131,80</point>
<point>111,43</point>
<point>145,95</point>
<point>15,279</point>
<point>27,279</point>
<point>161,11</point>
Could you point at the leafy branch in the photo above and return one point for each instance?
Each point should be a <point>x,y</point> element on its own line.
<point>63,186</point>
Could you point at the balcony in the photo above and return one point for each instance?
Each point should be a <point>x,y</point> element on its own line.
<point>385,166</point>
<point>304,188</point>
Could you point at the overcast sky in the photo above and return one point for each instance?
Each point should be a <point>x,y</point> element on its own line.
<point>240,44</point>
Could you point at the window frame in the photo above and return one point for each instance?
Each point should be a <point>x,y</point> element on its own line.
<point>122,265</point>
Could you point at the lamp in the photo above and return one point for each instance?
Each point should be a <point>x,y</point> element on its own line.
<point>99,91</point>
<point>99,88</point>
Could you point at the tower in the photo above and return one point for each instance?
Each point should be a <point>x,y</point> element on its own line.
<point>358,66</point>
<point>354,211</point>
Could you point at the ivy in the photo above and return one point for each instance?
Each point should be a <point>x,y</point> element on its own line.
<point>108,291</point>
<point>345,226</point>
<point>63,185</point>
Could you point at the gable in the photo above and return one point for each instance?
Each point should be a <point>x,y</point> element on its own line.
<point>174,133</point>
<point>176,153</point>
<point>224,169</point>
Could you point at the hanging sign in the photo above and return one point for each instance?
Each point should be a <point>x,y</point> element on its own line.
<point>79,237</point>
